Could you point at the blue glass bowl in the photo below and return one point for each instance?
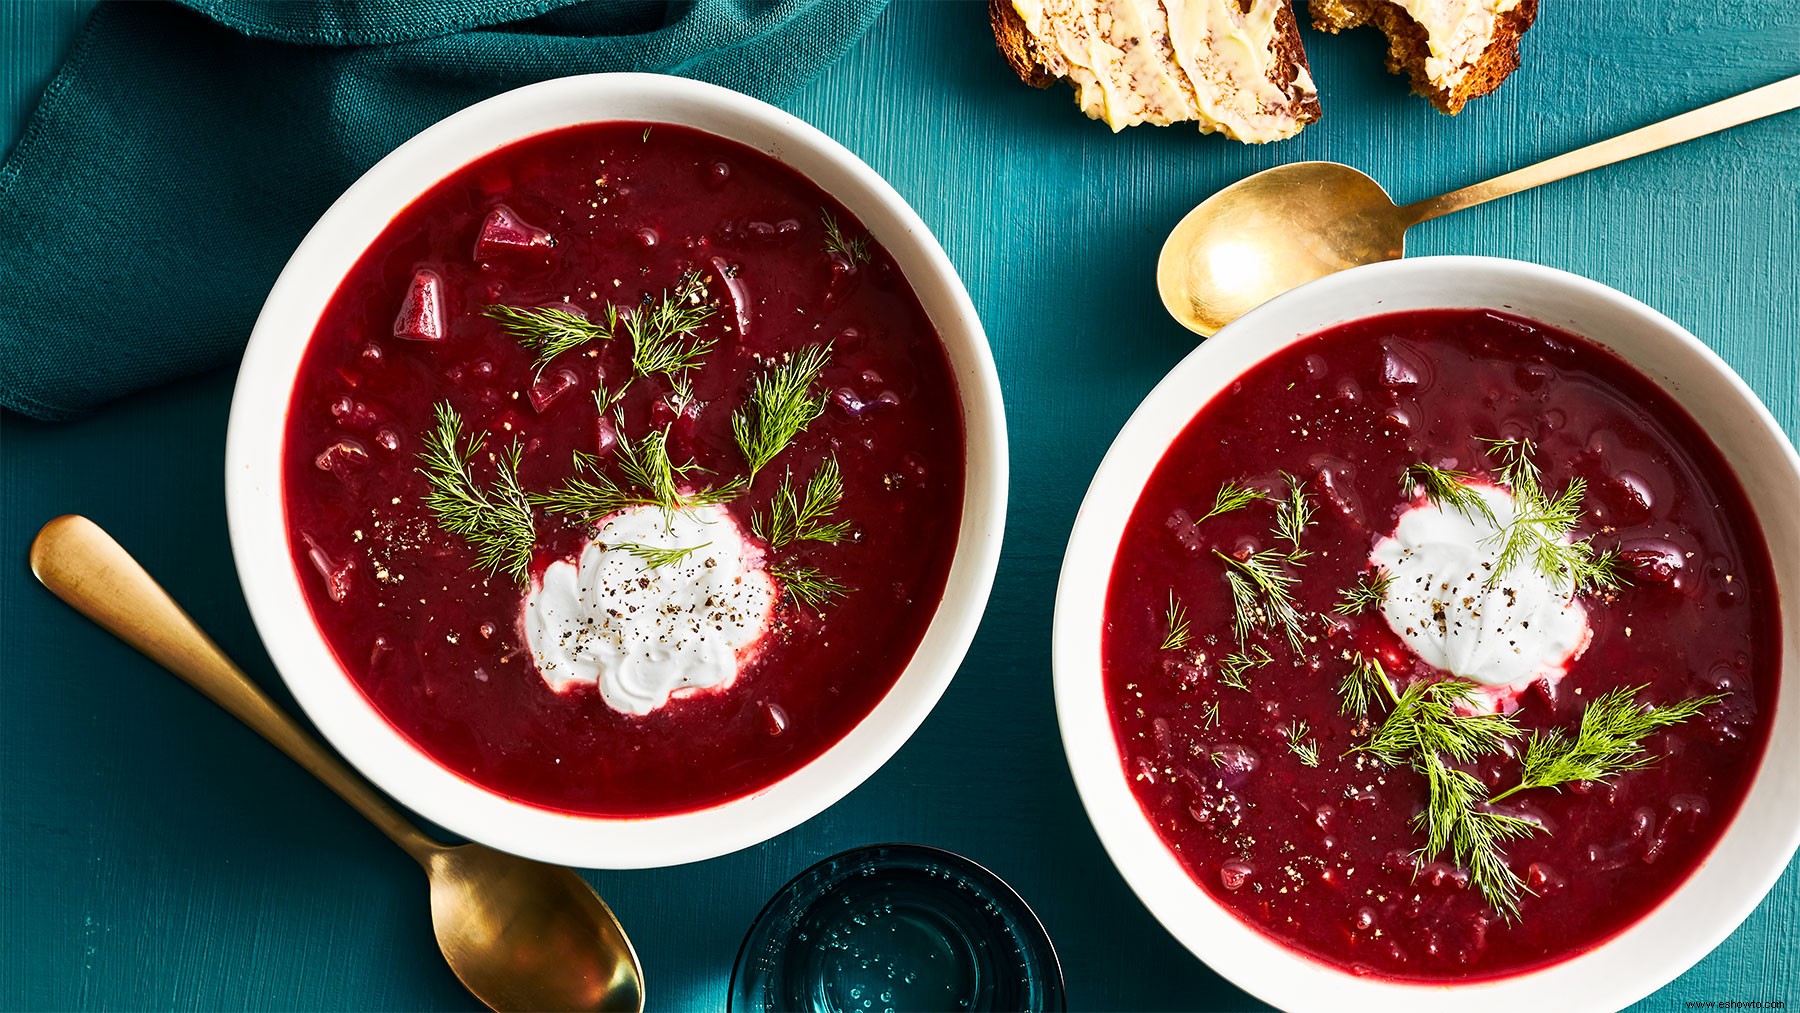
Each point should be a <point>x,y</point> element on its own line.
<point>896,928</point>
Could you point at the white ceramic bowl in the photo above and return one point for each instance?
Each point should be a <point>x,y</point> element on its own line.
<point>259,536</point>
<point>1649,954</point>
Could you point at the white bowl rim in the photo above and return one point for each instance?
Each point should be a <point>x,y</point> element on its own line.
<point>1605,977</point>
<point>256,514</point>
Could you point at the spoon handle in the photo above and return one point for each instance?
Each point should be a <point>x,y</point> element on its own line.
<point>1768,100</point>
<point>82,565</point>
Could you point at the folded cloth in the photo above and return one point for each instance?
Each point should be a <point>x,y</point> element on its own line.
<point>183,150</point>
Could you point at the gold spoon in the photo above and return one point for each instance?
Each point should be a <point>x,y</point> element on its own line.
<point>520,934</point>
<point>1289,225</point>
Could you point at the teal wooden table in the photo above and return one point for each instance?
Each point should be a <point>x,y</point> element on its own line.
<point>153,854</point>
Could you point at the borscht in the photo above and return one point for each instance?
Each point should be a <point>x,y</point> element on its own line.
<point>1441,645</point>
<point>623,471</point>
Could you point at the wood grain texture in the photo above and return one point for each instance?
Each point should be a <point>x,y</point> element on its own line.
<point>153,854</point>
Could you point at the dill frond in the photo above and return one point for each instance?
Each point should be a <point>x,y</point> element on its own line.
<point>1447,489</point>
<point>549,331</point>
<point>1516,470</point>
<point>1456,820</point>
<point>606,400</point>
<point>660,330</point>
<point>795,517</point>
<point>589,500</point>
<point>1262,596</point>
<point>808,585</point>
<point>654,556</point>
<point>782,404</point>
<point>1425,719</point>
<point>1292,517</point>
<point>1231,496</point>
<point>1364,684</point>
<point>1369,591</point>
<point>854,250</point>
<point>1298,743</point>
<point>1609,742</point>
<point>1235,667</point>
<point>1175,621</point>
<point>495,520</point>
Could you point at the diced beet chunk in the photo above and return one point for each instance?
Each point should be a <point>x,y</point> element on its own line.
<point>551,385</point>
<point>606,435</point>
<point>421,315</point>
<point>505,230</point>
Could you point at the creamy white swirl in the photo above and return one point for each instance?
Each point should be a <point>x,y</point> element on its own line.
<point>643,633</point>
<point>1504,633</point>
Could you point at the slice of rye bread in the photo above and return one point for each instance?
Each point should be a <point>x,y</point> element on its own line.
<point>1020,49</point>
<point>1408,47</point>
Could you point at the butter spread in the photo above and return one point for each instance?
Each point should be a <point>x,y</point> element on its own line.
<point>1457,33</point>
<point>1173,61</point>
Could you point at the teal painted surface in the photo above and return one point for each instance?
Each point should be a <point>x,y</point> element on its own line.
<point>155,855</point>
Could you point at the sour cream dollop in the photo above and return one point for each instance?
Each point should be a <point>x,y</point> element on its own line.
<point>643,633</point>
<point>1503,634</point>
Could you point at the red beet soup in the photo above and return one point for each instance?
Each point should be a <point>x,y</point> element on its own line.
<point>1441,645</point>
<point>624,470</point>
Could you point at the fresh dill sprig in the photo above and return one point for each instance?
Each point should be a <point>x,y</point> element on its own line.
<point>1428,726</point>
<point>549,331</point>
<point>1538,533</point>
<point>1427,718</point>
<point>1231,496</point>
<point>1456,819</point>
<point>646,464</point>
<point>1175,621</point>
<point>1362,686</point>
<point>495,520</point>
<point>1425,728</point>
<point>808,585</point>
<point>782,403</point>
<point>660,330</point>
<point>1369,591</point>
<point>681,392</point>
<point>1262,595</point>
<point>1209,715</point>
<point>652,479</point>
<point>654,556</point>
<point>1448,490</point>
<point>1609,742</point>
<point>588,499</point>
<point>1235,666</point>
<point>606,400</point>
<point>795,517</point>
<point>1517,471</point>
<point>1299,745</point>
<point>1292,517</point>
<point>854,250</point>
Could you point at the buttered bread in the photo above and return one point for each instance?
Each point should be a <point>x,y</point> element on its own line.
<point>1453,50</point>
<point>1227,66</point>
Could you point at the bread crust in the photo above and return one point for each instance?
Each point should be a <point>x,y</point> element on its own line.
<point>1016,44</point>
<point>1019,48</point>
<point>1409,48</point>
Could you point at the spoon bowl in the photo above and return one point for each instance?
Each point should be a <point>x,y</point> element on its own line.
<point>518,933</point>
<point>1286,226</point>
<point>1271,232</point>
<point>521,935</point>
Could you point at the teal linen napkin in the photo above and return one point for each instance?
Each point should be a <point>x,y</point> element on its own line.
<point>183,150</point>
